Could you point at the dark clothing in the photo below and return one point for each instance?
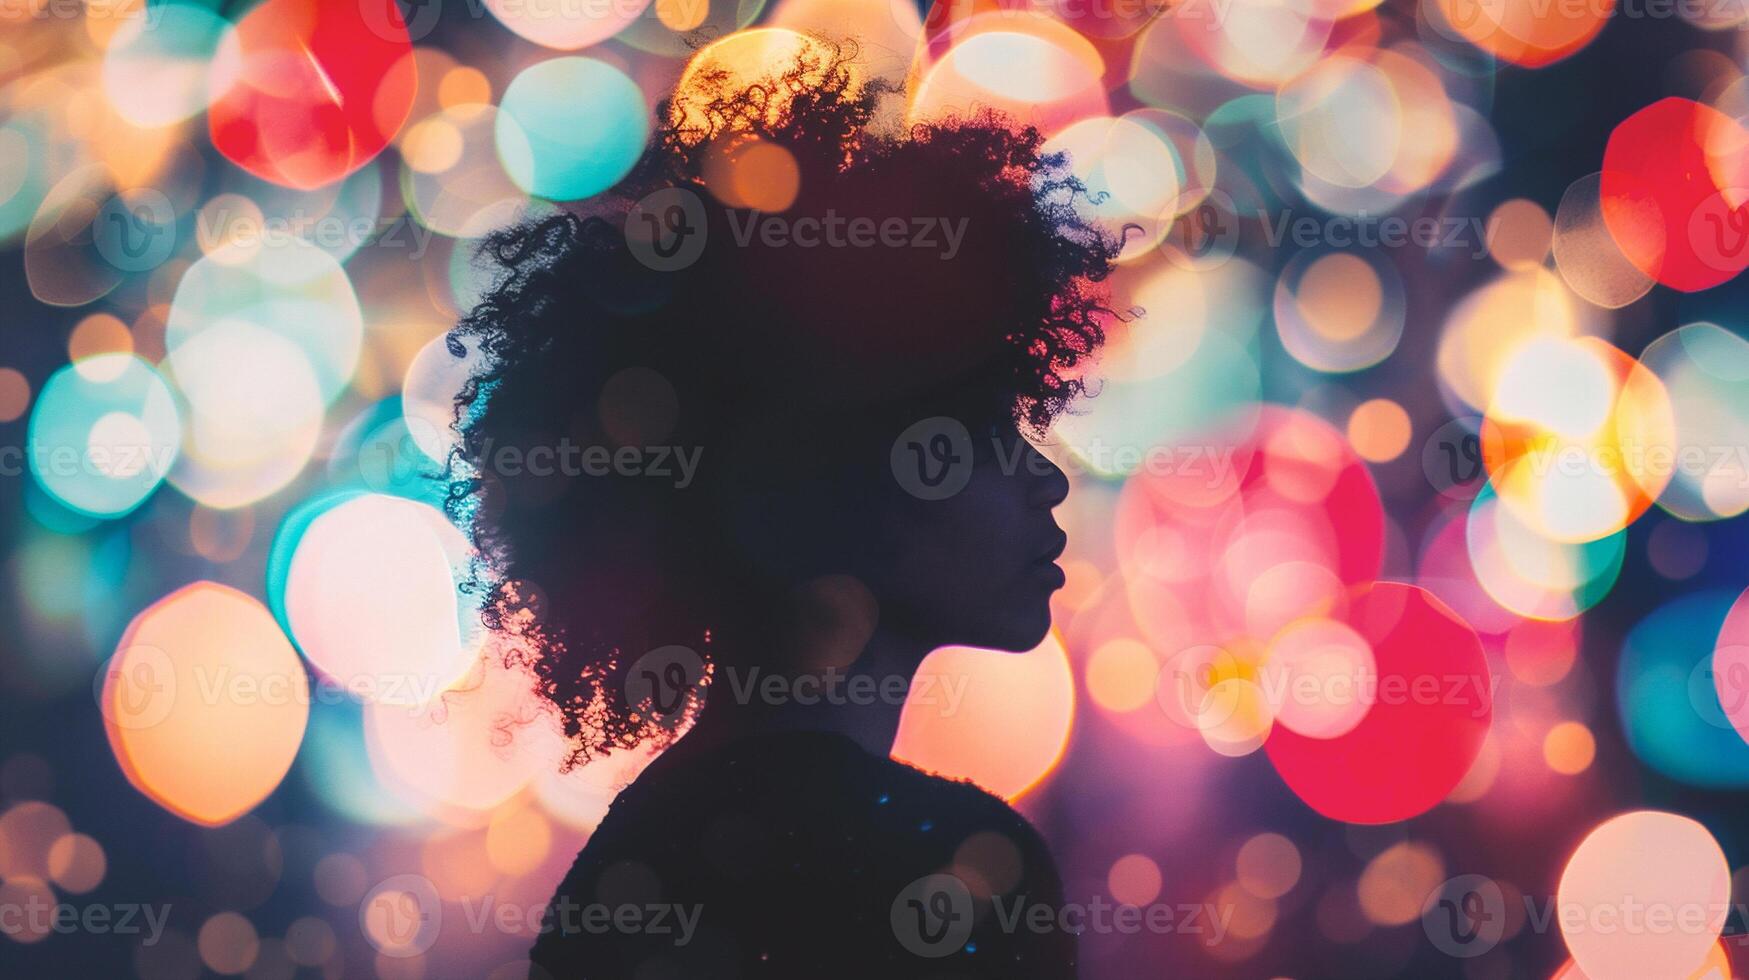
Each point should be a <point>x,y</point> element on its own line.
<point>801,855</point>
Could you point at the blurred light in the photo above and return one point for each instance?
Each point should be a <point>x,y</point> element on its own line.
<point>281,284</point>
<point>1657,861</point>
<point>203,682</point>
<point>1268,865</point>
<point>1578,437</point>
<point>28,833</point>
<point>1704,368</point>
<point>1235,717</point>
<point>1424,729</point>
<point>1321,677</point>
<point>1531,575</point>
<point>1121,675</point>
<point>1541,653</point>
<point>228,943</point>
<point>1589,261</point>
<point>1341,121</point>
<point>457,756</point>
<point>517,840</point>
<point>311,91</point>
<point>103,435</point>
<point>371,598</point>
<point>1134,879</point>
<point>1032,69</point>
<point>566,26</point>
<point>1675,177</point>
<point>1486,330</point>
<point>1519,233</point>
<point>1258,43</point>
<point>99,333</point>
<point>252,410</point>
<point>1524,32</point>
<point>754,174</point>
<point>1379,430</point>
<point>1569,748</point>
<point>1669,699</point>
<point>1132,178</point>
<point>158,69</point>
<point>1396,883</point>
<point>1000,720</point>
<point>563,148</point>
<point>736,61</point>
<point>1339,311</point>
<point>14,394</point>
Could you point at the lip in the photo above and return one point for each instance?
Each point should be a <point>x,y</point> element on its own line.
<point>1059,543</point>
<point>1053,575</point>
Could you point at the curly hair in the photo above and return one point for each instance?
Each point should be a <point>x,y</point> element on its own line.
<point>775,364</point>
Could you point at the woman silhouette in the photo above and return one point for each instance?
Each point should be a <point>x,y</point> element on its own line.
<point>782,383</point>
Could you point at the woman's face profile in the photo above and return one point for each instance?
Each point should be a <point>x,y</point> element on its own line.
<point>970,542</point>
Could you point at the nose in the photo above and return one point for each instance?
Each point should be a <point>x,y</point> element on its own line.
<point>1050,485</point>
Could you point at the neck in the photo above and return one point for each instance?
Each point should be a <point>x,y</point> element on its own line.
<point>862,701</point>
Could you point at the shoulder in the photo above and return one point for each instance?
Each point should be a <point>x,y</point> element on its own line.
<point>804,846</point>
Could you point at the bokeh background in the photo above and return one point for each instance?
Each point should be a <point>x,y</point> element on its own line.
<point>1442,296</point>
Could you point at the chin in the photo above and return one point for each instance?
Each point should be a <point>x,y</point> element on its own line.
<point>1021,633</point>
